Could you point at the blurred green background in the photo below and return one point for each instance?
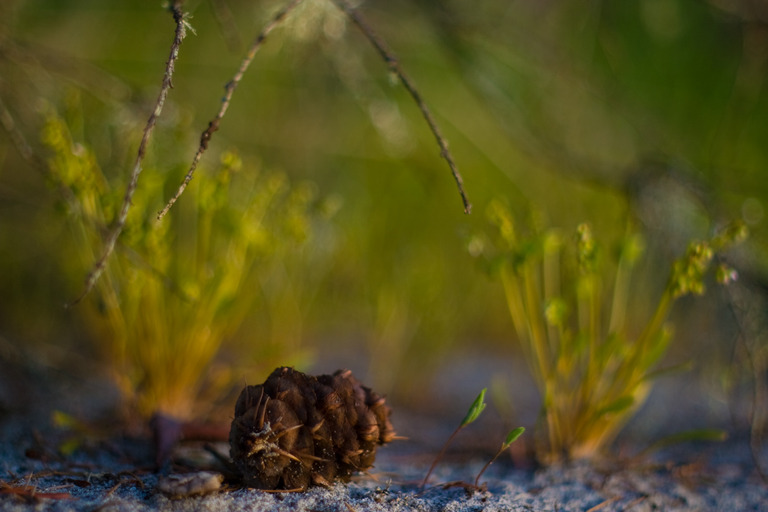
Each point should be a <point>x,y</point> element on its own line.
<point>576,111</point>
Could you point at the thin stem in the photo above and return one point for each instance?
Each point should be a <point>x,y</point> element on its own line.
<point>517,310</point>
<point>552,290</point>
<point>593,367</point>
<point>394,65</point>
<point>181,29</point>
<point>532,301</point>
<point>653,327</point>
<point>439,456</point>
<point>487,465</point>
<point>621,292</point>
<point>213,126</point>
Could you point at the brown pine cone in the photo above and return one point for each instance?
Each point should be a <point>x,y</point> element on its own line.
<point>296,430</point>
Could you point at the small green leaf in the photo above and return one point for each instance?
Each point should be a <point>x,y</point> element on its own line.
<point>616,406</point>
<point>474,411</point>
<point>705,434</point>
<point>687,436</point>
<point>63,420</point>
<point>70,446</point>
<point>512,437</point>
<point>675,369</point>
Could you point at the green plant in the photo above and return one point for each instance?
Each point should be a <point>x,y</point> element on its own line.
<point>513,436</point>
<point>177,290</point>
<point>473,413</point>
<point>570,312</point>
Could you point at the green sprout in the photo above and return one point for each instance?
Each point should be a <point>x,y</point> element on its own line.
<point>473,413</point>
<point>570,314</point>
<point>477,407</point>
<point>513,436</point>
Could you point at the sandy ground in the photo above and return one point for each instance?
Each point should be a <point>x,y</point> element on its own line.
<point>110,471</point>
<point>102,477</point>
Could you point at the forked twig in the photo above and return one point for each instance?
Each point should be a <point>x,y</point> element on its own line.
<point>180,32</point>
<point>394,65</point>
<point>109,246</point>
<point>230,90</point>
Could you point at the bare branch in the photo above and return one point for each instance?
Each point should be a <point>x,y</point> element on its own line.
<point>394,66</point>
<point>230,90</point>
<point>109,246</point>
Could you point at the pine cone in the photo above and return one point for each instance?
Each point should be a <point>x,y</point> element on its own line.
<point>296,430</point>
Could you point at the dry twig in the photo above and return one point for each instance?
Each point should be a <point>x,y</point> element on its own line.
<point>394,65</point>
<point>181,26</point>
<point>109,246</point>
<point>604,504</point>
<point>230,90</point>
<point>31,494</point>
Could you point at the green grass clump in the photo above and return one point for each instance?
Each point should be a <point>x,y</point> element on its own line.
<point>570,311</point>
<point>178,289</point>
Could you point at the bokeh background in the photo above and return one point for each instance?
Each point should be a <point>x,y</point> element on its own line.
<point>569,111</point>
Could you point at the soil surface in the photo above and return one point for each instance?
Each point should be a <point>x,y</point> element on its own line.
<point>108,475</point>
<point>105,469</point>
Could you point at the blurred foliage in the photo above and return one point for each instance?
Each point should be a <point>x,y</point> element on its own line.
<point>578,110</point>
<point>573,311</point>
<point>176,290</point>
